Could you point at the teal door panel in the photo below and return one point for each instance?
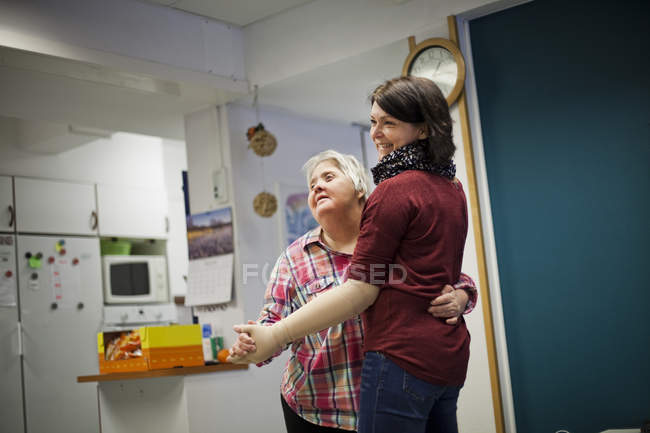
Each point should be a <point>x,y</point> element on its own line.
<point>565,109</point>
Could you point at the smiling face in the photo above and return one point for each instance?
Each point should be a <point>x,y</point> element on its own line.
<point>331,191</point>
<point>389,133</point>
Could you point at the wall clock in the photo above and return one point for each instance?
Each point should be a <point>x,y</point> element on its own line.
<point>439,60</point>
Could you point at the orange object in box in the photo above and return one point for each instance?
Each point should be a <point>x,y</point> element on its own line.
<point>150,348</point>
<point>120,352</point>
<point>172,346</point>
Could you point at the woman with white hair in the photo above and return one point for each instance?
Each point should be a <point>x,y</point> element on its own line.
<point>321,381</point>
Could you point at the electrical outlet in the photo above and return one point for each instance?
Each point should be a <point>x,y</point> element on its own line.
<point>219,185</point>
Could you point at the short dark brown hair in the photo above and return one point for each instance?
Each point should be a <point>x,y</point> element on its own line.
<point>419,100</point>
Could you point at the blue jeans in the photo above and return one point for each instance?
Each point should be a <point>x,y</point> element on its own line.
<point>394,401</point>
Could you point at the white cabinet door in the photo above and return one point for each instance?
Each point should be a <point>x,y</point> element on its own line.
<point>49,206</point>
<point>130,212</point>
<point>61,312</point>
<point>7,221</point>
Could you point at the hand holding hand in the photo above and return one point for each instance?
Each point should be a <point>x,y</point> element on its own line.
<point>266,339</point>
<point>449,305</point>
<point>244,345</point>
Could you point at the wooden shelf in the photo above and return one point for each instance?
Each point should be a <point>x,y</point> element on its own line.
<point>182,371</point>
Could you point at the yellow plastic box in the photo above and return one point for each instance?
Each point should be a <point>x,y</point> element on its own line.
<point>172,346</point>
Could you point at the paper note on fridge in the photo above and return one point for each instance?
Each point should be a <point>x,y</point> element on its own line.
<point>7,292</point>
<point>66,284</point>
<point>7,280</point>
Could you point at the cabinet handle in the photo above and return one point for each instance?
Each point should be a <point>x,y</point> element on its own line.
<point>93,215</point>
<point>20,339</point>
<point>12,216</point>
<point>166,224</point>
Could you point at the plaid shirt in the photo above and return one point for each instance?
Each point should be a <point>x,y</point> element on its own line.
<point>322,378</point>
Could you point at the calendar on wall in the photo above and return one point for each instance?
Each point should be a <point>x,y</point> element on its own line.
<point>210,246</point>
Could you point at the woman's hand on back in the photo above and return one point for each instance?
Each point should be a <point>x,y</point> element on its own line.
<point>449,305</point>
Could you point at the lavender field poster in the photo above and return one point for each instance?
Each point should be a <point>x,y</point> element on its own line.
<point>210,242</point>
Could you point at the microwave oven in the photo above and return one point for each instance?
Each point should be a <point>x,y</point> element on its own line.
<point>135,279</point>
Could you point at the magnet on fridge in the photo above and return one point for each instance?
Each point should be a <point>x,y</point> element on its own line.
<point>34,263</point>
<point>59,246</point>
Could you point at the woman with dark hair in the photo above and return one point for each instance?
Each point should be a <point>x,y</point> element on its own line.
<point>411,100</point>
<point>414,221</point>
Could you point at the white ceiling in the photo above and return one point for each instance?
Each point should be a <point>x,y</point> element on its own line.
<point>37,87</point>
<point>239,12</point>
<point>42,88</point>
<point>337,91</point>
<point>61,93</point>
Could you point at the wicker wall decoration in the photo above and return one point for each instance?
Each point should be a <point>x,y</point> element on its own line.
<point>261,141</point>
<point>265,204</point>
<point>263,144</point>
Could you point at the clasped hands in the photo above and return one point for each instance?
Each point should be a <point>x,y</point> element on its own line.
<point>256,343</point>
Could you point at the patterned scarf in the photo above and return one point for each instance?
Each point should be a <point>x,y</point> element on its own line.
<point>410,157</point>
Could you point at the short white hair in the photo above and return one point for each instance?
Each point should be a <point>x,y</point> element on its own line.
<point>348,164</point>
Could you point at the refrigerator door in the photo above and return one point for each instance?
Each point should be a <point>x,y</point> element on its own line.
<point>11,391</point>
<point>61,308</point>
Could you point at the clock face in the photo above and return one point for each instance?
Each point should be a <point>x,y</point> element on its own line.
<point>438,65</point>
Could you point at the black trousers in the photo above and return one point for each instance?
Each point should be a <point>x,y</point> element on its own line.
<point>296,424</point>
